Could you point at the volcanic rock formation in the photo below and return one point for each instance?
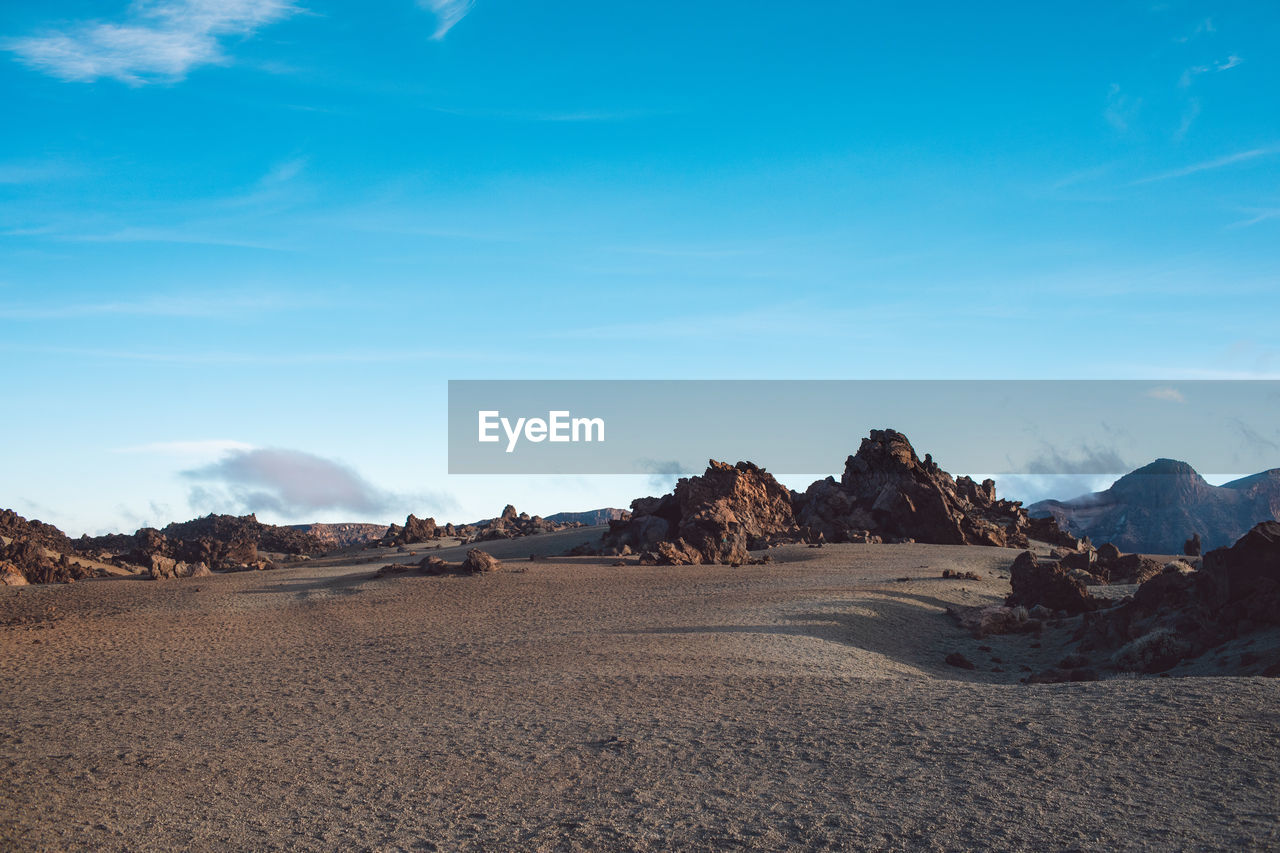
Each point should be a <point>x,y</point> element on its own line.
<point>886,490</point>
<point>715,518</point>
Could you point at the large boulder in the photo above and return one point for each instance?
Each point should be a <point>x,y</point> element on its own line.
<point>480,561</point>
<point>1048,584</point>
<point>715,518</point>
<point>887,490</point>
<point>1245,578</point>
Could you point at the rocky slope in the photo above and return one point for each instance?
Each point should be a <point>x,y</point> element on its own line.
<point>1156,508</point>
<point>342,534</point>
<point>590,517</point>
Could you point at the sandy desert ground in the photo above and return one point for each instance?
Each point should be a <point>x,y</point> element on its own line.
<point>567,704</point>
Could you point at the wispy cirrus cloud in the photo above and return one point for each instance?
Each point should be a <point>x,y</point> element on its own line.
<point>1205,27</point>
<point>159,40</point>
<point>448,13</point>
<point>228,305</point>
<point>1195,71</point>
<point>1208,165</point>
<point>1121,109</point>
<point>1258,215</point>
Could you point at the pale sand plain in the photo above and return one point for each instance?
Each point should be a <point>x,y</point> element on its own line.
<point>567,704</point>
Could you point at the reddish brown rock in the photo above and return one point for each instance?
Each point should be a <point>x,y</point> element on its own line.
<point>888,491</point>
<point>715,518</point>
<point>480,561</point>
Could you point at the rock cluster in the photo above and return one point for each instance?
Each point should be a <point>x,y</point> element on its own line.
<point>715,518</point>
<point>415,531</point>
<point>1181,612</point>
<point>510,525</point>
<point>887,491</point>
<point>35,552</point>
<point>1106,565</point>
<point>513,525</point>
<point>221,542</point>
<point>1048,584</point>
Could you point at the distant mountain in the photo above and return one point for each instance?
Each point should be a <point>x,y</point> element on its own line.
<point>591,516</point>
<point>342,534</point>
<point>1157,507</point>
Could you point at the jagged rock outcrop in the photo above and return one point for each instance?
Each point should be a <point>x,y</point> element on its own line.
<point>34,552</point>
<point>415,531</point>
<point>35,564</point>
<point>1047,584</point>
<point>14,526</point>
<point>887,491</point>
<point>715,518</point>
<point>1154,509</point>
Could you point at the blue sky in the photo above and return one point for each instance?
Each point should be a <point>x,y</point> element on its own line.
<point>242,239</point>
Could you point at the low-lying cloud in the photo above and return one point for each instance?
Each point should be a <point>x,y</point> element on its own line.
<point>289,483</point>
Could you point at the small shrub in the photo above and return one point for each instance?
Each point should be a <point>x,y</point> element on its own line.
<point>1153,652</point>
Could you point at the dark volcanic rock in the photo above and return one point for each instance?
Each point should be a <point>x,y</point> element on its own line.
<point>715,518</point>
<point>886,490</point>
<point>31,561</point>
<point>36,553</point>
<point>1246,577</point>
<point>223,542</point>
<point>1155,508</point>
<point>416,530</point>
<point>1048,584</point>
<point>1192,546</point>
<point>1182,613</point>
<point>14,526</point>
<point>233,529</point>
